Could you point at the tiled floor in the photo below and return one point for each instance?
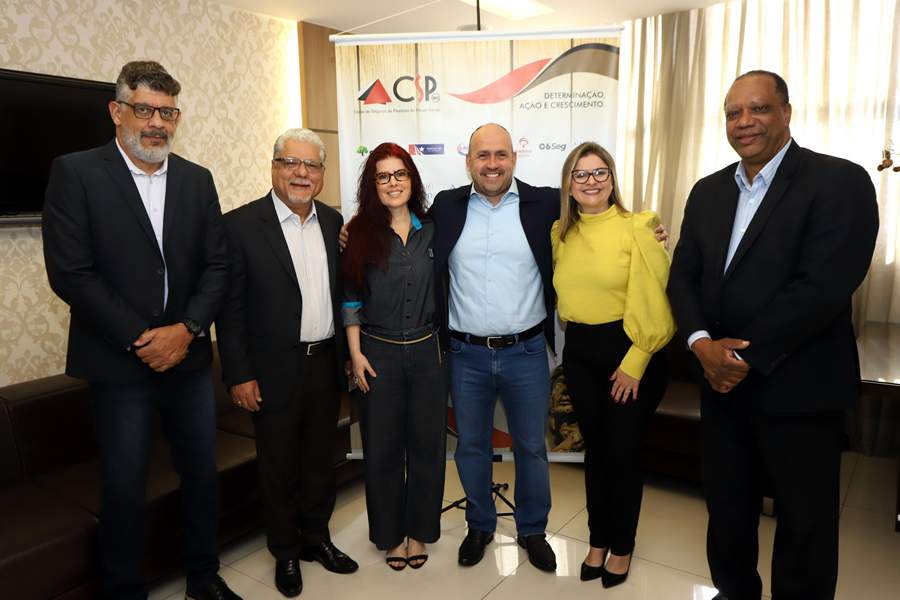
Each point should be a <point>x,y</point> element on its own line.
<point>670,559</point>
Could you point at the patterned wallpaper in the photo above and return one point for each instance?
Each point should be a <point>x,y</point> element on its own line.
<point>235,69</point>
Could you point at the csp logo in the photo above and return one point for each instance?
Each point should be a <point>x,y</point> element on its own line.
<point>406,88</point>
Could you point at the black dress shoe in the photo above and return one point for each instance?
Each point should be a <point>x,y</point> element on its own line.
<point>287,577</point>
<point>471,551</point>
<point>540,554</point>
<point>216,590</point>
<point>331,558</point>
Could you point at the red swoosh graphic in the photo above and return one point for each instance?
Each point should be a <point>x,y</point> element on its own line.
<point>506,87</point>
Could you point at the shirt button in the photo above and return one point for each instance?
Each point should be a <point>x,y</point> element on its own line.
<point>155,313</point>
<point>160,271</point>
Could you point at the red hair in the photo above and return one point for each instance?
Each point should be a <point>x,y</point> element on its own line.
<point>370,229</point>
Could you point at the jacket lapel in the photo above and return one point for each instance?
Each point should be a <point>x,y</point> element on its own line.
<point>724,221</point>
<point>275,236</point>
<point>123,179</point>
<point>776,191</point>
<point>329,232</point>
<point>174,179</point>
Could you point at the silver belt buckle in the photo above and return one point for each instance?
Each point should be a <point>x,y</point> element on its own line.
<point>493,337</point>
<point>310,347</point>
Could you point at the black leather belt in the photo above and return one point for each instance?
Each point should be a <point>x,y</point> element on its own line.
<point>312,348</point>
<point>495,342</point>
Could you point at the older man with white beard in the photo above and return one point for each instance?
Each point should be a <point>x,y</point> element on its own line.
<point>134,244</point>
<point>280,355</point>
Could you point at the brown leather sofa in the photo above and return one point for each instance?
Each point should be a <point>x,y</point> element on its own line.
<point>49,489</point>
<point>672,442</point>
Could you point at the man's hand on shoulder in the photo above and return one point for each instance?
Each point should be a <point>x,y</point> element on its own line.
<point>164,347</point>
<point>661,235</point>
<point>343,237</point>
<point>721,366</point>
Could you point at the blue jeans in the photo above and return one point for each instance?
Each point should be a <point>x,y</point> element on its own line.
<point>124,418</point>
<point>520,375</point>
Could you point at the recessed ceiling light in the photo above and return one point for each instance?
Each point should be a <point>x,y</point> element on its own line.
<point>514,10</point>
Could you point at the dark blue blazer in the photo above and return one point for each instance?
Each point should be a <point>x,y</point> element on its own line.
<point>789,285</point>
<point>538,209</point>
<point>103,260</point>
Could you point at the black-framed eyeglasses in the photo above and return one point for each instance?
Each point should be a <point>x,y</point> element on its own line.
<point>384,178</point>
<point>145,111</point>
<point>290,163</point>
<point>599,174</point>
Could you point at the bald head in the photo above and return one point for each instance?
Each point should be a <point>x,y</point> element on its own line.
<point>491,161</point>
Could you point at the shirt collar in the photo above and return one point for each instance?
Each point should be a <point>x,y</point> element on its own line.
<point>416,223</point>
<point>766,173</point>
<point>284,213</point>
<point>513,191</point>
<point>134,168</point>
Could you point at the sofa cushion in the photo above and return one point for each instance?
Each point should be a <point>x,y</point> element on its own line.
<point>48,547</point>
<point>10,464</point>
<point>80,483</point>
<point>681,401</point>
<point>52,423</point>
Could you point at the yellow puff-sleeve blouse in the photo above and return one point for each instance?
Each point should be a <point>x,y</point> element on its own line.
<point>611,267</point>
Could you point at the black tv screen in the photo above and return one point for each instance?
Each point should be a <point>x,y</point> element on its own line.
<point>42,117</point>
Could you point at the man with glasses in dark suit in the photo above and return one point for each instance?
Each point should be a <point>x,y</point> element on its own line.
<point>134,244</point>
<point>283,350</point>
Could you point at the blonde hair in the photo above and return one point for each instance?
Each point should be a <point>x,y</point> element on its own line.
<point>568,208</point>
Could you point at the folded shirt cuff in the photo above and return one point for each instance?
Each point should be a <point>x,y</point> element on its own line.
<point>635,362</point>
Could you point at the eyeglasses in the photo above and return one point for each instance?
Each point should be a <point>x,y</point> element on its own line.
<point>600,175</point>
<point>289,163</point>
<point>145,111</point>
<point>385,178</point>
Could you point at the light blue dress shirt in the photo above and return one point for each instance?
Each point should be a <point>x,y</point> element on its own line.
<point>495,284</point>
<point>750,196</point>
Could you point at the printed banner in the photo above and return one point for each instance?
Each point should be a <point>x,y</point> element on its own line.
<point>428,95</point>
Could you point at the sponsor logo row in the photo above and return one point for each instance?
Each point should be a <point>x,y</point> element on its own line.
<point>523,147</point>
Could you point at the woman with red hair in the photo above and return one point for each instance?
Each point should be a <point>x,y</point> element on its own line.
<point>390,318</point>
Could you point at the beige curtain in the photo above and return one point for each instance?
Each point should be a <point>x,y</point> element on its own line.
<point>841,60</point>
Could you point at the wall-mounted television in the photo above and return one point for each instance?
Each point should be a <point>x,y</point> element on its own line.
<point>42,117</point>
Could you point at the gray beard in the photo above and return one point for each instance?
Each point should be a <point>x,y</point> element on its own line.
<point>148,155</point>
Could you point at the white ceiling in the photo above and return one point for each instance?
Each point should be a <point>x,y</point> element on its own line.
<point>448,15</point>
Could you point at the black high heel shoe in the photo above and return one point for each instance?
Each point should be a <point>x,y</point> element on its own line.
<point>613,579</point>
<point>589,573</point>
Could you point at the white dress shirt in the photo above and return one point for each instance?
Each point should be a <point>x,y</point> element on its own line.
<point>307,248</point>
<point>152,189</point>
<point>750,196</point>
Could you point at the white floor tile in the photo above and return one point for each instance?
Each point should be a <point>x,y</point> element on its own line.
<point>646,581</point>
<point>670,557</point>
<point>874,485</point>
<point>869,556</point>
<point>849,461</point>
<point>243,547</point>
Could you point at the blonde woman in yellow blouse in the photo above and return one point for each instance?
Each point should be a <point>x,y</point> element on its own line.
<point>610,276</point>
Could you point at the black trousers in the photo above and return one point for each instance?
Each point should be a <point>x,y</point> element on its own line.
<point>801,454</point>
<point>403,421</point>
<point>295,448</point>
<point>612,432</point>
<point>125,421</point>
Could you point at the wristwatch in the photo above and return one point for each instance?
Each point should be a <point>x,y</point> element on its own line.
<point>193,327</point>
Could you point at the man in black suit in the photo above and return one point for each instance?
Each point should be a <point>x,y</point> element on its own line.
<point>134,244</point>
<point>770,253</point>
<point>282,351</point>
